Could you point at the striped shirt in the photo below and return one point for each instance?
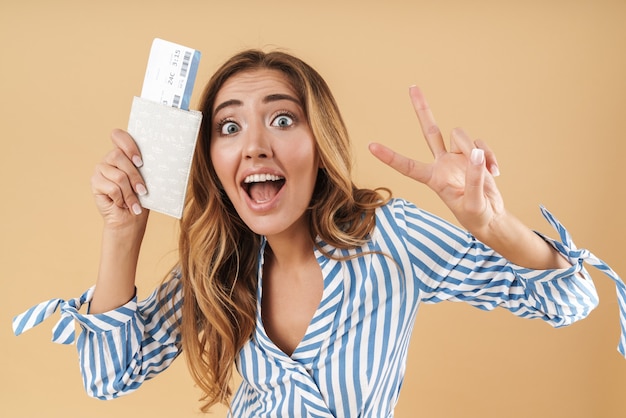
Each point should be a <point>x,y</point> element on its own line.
<point>351,361</point>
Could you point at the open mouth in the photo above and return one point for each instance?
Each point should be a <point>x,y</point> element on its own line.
<point>263,187</point>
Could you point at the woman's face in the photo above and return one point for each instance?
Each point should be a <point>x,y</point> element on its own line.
<point>263,152</point>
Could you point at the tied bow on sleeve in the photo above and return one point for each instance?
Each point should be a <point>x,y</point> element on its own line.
<point>568,248</point>
<point>64,330</point>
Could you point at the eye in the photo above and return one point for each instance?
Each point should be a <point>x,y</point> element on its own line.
<point>283,121</point>
<point>228,128</point>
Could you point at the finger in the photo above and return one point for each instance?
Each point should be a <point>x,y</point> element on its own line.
<point>107,189</point>
<point>118,159</point>
<point>460,142</point>
<point>490,158</point>
<point>410,168</point>
<point>115,184</point>
<point>125,142</point>
<point>474,201</point>
<point>431,131</point>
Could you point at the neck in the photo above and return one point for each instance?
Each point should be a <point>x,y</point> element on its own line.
<point>292,250</point>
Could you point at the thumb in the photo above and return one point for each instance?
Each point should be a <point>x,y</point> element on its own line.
<point>475,182</point>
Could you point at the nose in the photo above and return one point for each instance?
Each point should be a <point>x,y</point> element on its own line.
<point>258,144</point>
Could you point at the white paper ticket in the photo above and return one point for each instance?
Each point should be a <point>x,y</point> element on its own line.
<point>170,74</point>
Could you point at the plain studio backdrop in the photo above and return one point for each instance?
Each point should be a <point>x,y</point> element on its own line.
<point>543,82</point>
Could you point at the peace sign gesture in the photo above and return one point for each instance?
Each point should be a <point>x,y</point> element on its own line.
<point>458,175</point>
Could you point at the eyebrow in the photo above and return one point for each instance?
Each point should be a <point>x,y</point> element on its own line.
<point>278,97</point>
<point>267,99</point>
<point>227,103</point>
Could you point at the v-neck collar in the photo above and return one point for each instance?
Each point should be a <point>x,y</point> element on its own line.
<point>322,323</point>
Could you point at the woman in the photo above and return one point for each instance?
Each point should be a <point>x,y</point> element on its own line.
<point>307,283</point>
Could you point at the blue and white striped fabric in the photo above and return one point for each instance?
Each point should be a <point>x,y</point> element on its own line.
<point>351,361</point>
<point>119,349</point>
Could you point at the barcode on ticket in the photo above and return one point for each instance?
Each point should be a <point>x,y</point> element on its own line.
<point>185,66</point>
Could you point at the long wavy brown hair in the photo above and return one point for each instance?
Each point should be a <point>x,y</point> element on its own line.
<point>219,253</point>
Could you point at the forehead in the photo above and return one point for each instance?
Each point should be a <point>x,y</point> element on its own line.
<point>254,83</point>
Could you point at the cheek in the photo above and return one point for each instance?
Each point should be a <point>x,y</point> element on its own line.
<point>308,173</point>
<point>225,176</point>
<point>222,163</point>
<point>313,162</point>
<point>302,153</point>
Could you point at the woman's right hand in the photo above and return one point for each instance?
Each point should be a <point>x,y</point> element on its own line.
<point>117,183</point>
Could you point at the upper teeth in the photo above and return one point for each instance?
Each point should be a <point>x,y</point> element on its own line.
<point>258,178</point>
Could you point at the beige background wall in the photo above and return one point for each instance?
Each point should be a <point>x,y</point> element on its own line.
<point>544,82</point>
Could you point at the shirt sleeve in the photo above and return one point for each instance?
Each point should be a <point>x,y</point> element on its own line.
<point>450,264</point>
<point>120,349</point>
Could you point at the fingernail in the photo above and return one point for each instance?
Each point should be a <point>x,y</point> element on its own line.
<point>136,209</point>
<point>495,171</point>
<point>477,156</point>
<point>141,190</point>
<point>137,161</point>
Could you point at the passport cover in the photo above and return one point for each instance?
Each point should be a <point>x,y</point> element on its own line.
<point>166,137</point>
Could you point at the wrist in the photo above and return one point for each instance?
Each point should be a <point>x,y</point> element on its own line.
<point>125,232</point>
<point>118,264</point>
<point>499,228</point>
<point>513,240</point>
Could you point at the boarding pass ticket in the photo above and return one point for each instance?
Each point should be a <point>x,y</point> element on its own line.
<point>170,74</point>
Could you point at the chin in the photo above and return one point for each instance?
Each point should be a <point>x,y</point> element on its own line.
<point>275,225</point>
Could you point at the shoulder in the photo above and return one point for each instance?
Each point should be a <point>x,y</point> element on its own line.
<point>393,217</point>
<point>403,218</point>
<point>396,211</point>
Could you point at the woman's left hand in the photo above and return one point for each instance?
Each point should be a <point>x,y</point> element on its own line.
<point>462,176</point>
